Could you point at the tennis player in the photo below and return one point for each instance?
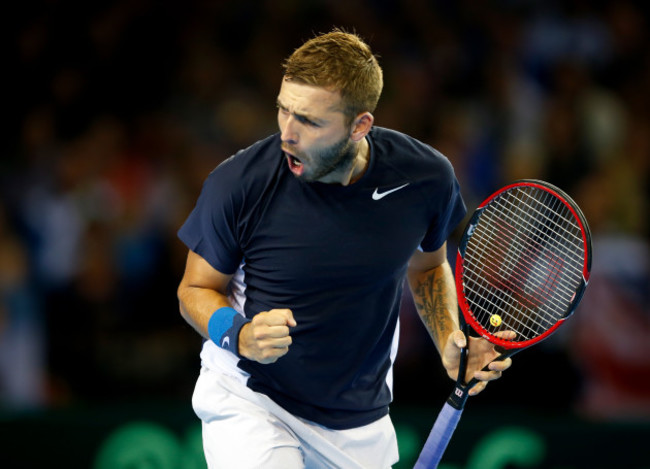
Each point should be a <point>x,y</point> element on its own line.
<point>298,249</point>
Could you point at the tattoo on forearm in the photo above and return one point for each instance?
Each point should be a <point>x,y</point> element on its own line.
<point>435,299</point>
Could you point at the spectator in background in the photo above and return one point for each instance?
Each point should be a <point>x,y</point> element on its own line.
<point>22,336</point>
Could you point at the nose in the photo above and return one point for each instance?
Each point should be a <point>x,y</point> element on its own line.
<point>288,132</point>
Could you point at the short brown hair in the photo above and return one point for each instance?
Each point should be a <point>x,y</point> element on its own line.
<point>340,61</point>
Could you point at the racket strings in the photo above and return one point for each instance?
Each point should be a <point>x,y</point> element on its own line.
<point>523,262</point>
<point>510,279</point>
<point>533,260</point>
<point>536,290</point>
<point>558,223</point>
<point>509,295</point>
<point>519,273</point>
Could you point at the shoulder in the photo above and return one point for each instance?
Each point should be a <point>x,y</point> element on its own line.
<point>409,156</point>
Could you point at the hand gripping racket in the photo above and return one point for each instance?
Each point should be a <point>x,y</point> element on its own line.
<point>523,265</point>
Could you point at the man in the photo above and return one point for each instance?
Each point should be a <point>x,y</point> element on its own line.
<point>298,249</point>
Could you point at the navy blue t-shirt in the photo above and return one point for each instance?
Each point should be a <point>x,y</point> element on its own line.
<point>335,255</point>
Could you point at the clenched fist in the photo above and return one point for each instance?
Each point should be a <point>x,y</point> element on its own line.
<point>266,338</point>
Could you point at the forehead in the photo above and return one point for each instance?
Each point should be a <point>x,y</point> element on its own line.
<point>309,100</point>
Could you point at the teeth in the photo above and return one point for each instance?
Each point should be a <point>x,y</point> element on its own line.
<point>296,161</point>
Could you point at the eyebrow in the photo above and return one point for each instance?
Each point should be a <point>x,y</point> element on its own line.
<point>300,115</point>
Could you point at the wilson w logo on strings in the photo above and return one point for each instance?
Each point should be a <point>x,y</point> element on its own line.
<point>517,262</point>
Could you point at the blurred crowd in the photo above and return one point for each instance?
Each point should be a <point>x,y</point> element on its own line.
<point>119,109</point>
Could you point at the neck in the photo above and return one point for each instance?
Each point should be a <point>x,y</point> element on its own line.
<point>360,164</point>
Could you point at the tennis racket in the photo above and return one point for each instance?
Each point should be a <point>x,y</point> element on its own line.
<point>523,265</point>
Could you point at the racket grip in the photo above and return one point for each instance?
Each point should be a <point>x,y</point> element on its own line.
<point>439,437</point>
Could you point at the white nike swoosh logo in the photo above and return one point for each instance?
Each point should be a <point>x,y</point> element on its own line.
<point>380,195</point>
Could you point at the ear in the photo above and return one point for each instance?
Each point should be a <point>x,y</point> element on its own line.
<point>361,125</point>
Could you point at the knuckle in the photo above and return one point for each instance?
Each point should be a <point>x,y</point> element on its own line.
<point>268,354</point>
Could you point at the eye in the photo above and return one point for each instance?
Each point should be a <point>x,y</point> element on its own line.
<point>306,121</point>
<point>299,117</point>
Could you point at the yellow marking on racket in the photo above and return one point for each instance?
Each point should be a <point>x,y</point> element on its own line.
<point>495,320</point>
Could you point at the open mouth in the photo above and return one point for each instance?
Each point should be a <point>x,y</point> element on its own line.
<point>295,165</point>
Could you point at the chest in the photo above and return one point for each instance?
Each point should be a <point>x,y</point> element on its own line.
<point>302,234</point>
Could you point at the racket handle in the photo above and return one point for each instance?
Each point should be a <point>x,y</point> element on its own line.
<point>439,437</point>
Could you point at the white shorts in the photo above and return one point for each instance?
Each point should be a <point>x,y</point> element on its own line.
<point>243,429</point>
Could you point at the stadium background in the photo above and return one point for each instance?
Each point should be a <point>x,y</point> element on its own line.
<point>117,110</point>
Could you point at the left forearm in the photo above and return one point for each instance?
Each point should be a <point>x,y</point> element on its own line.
<point>434,293</point>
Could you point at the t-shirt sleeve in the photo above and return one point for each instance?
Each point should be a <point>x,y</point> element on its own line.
<point>211,228</point>
<point>450,212</point>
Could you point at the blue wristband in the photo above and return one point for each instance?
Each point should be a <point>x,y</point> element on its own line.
<point>224,326</point>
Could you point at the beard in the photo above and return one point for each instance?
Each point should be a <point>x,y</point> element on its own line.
<point>337,158</point>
